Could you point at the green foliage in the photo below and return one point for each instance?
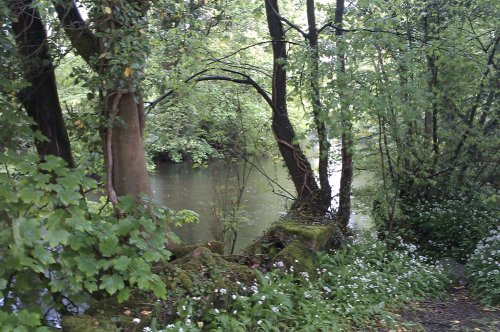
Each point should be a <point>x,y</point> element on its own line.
<point>56,244</point>
<point>448,225</point>
<point>21,321</point>
<point>482,269</point>
<point>355,287</point>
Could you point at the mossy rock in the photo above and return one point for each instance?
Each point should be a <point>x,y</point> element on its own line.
<point>106,323</point>
<point>297,255</point>
<point>270,247</point>
<point>315,237</point>
<point>186,249</point>
<point>87,324</point>
<point>212,265</point>
<point>108,312</point>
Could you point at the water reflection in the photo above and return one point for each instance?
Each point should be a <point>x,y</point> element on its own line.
<point>180,186</point>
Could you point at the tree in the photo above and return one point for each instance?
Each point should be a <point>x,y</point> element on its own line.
<point>344,210</point>
<point>298,166</point>
<point>114,51</point>
<point>40,99</point>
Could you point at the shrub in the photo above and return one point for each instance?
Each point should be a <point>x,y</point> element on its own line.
<point>483,269</point>
<point>450,225</point>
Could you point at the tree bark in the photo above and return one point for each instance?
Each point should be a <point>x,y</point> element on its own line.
<point>126,168</point>
<point>40,99</point>
<point>325,196</point>
<point>129,171</point>
<point>296,162</point>
<point>344,210</point>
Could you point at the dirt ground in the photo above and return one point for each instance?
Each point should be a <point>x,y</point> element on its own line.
<point>459,312</point>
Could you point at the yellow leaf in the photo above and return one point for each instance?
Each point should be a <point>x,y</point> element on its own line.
<point>77,122</point>
<point>127,72</point>
<point>107,10</point>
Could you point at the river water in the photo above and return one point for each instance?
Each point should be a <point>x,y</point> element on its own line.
<point>180,186</point>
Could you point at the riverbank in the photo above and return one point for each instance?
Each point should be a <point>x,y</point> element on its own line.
<point>355,288</point>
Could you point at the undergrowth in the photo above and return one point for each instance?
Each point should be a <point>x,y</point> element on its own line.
<point>356,287</point>
<point>482,269</point>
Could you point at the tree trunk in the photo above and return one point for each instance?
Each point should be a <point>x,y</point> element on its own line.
<point>129,174</point>
<point>40,99</point>
<point>344,210</point>
<point>296,162</point>
<point>126,167</point>
<point>325,197</point>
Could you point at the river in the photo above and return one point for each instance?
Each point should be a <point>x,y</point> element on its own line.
<point>180,186</point>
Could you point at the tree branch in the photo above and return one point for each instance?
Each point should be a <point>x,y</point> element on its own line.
<point>245,80</point>
<point>82,38</point>
<point>152,104</point>
<point>292,25</point>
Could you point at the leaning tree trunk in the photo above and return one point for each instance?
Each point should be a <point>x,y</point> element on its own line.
<point>40,99</point>
<point>296,162</point>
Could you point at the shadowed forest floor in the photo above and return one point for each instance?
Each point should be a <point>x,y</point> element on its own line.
<point>459,312</point>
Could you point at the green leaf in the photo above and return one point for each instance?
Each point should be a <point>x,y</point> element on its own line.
<point>159,288</point>
<point>123,295</point>
<point>28,195</point>
<point>44,256</point>
<point>69,196</point>
<point>112,283</point>
<point>87,264</point>
<point>150,256</point>
<point>31,319</point>
<point>57,236</point>
<point>121,263</point>
<point>108,246</point>
<point>90,286</point>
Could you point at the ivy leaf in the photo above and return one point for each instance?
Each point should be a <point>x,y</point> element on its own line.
<point>112,283</point>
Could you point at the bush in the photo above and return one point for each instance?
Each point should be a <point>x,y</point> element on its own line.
<point>56,246</point>
<point>356,287</point>
<point>482,269</point>
<point>448,225</point>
